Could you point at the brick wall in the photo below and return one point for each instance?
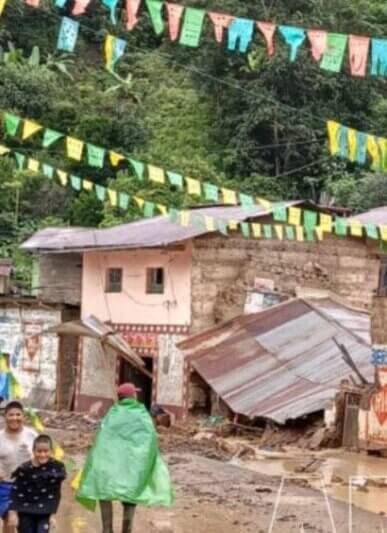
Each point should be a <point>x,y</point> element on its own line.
<point>60,278</point>
<point>223,268</point>
<point>379,320</point>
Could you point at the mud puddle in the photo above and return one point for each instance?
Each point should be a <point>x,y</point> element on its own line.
<point>348,477</point>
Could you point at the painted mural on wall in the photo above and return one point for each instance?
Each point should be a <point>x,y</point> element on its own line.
<point>32,346</point>
<point>32,356</point>
<point>170,374</point>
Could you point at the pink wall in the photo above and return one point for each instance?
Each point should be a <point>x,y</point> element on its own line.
<point>133,305</point>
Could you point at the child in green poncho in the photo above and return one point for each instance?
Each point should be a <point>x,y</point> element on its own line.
<point>125,464</point>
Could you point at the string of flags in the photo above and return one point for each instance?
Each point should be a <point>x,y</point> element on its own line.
<point>295,230</point>
<point>357,146</point>
<point>185,25</point>
<point>315,224</point>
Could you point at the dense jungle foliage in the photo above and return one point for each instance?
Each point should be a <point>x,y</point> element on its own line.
<point>204,112</point>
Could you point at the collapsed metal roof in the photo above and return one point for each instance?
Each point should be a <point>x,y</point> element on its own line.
<point>92,327</point>
<point>146,233</point>
<point>282,363</point>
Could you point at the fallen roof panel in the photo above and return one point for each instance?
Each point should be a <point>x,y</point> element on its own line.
<point>282,363</point>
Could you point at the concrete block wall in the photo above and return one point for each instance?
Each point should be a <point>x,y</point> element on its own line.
<point>223,268</point>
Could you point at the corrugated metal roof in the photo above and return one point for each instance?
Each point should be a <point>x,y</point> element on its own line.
<point>282,363</point>
<point>374,216</point>
<point>146,233</point>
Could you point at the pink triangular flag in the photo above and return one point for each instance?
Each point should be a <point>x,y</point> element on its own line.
<point>318,42</point>
<point>33,3</point>
<point>220,21</point>
<point>358,54</point>
<point>175,12</point>
<point>80,7</point>
<point>132,7</point>
<point>268,31</point>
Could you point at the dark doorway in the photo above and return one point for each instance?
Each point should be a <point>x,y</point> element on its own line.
<point>129,373</point>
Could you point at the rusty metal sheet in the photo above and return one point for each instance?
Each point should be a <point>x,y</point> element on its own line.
<point>146,233</point>
<point>281,363</point>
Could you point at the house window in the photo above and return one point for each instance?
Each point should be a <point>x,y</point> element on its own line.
<point>155,280</point>
<point>114,280</point>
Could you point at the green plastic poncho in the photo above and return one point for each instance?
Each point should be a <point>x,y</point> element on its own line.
<point>125,463</point>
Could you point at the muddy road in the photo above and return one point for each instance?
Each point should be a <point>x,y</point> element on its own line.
<point>217,497</point>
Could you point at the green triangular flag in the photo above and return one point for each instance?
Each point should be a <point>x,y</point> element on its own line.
<point>20,160</point>
<point>372,231</point>
<point>267,231</point>
<point>341,226</point>
<point>211,192</point>
<point>289,230</point>
<point>11,123</point>
<point>310,219</point>
<point>138,168</point>
<point>309,234</point>
<point>280,213</point>
<point>175,179</point>
<point>50,136</point>
<point>222,227</point>
<point>101,192</point>
<point>149,209</point>
<point>192,27</point>
<point>246,200</point>
<point>173,216</point>
<point>334,52</point>
<point>76,182</point>
<point>48,171</point>
<point>245,229</point>
<point>155,8</point>
<point>123,200</point>
<point>197,222</point>
<point>95,155</point>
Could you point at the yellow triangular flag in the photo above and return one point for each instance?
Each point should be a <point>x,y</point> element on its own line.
<point>233,225</point>
<point>294,216</point>
<point>257,230</point>
<point>229,196</point>
<point>356,229</point>
<point>209,223</point>
<point>112,197</point>
<point>319,233</point>
<point>300,233</point>
<point>162,208</point>
<point>115,158</point>
<point>266,204</point>
<point>352,143</point>
<point>87,185</point>
<point>156,174</point>
<point>326,223</point>
<point>139,201</point>
<point>4,150</point>
<point>3,365</point>
<point>29,128</point>
<point>193,186</point>
<point>74,148</point>
<point>383,232</point>
<point>58,452</point>
<point>33,165</point>
<point>333,138</point>
<point>63,178</point>
<point>76,482</point>
<point>373,150</point>
<point>2,6</point>
<point>279,231</point>
<point>382,143</point>
<point>184,218</point>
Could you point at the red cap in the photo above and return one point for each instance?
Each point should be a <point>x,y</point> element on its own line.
<point>127,390</point>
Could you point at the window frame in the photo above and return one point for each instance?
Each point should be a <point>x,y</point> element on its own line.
<point>151,286</point>
<point>109,283</point>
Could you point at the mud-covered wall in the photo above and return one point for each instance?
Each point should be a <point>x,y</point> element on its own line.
<point>223,268</point>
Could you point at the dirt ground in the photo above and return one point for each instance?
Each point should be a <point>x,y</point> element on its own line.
<point>217,497</point>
